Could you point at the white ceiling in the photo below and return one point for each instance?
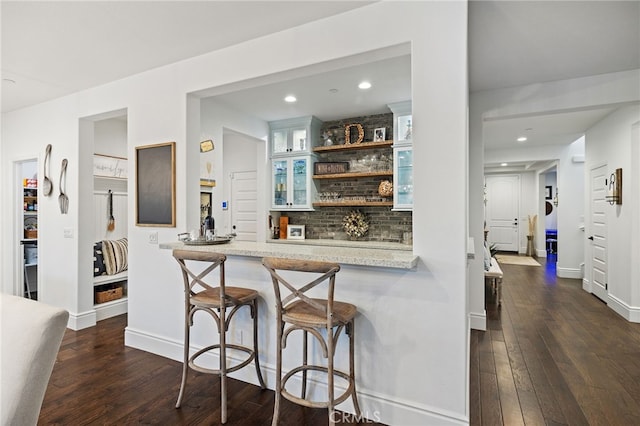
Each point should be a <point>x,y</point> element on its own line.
<point>513,43</point>
<point>55,48</point>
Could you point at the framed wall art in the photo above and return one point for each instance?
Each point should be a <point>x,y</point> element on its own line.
<point>109,166</point>
<point>156,185</point>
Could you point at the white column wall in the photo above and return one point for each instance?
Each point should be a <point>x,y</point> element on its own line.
<point>571,212</point>
<point>413,333</point>
<point>610,141</point>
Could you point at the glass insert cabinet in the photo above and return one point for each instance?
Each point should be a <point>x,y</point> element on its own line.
<point>291,183</point>
<point>291,161</point>
<point>294,136</point>
<point>402,155</point>
<point>403,187</point>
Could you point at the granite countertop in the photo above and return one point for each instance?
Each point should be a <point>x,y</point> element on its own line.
<point>361,255</point>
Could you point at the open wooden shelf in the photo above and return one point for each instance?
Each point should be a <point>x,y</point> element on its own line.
<point>354,175</point>
<point>353,146</point>
<point>353,204</point>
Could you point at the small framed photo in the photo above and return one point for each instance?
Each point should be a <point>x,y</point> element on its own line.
<point>548,194</point>
<point>379,134</point>
<point>295,232</point>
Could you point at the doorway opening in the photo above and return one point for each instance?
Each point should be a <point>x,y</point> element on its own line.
<point>27,189</point>
<point>550,178</point>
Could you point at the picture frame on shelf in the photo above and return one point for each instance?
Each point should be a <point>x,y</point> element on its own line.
<point>379,134</point>
<point>295,232</point>
<point>548,194</point>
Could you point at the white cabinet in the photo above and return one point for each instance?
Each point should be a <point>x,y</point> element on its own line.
<point>292,188</point>
<point>294,136</point>
<point>291,144</point>
<point>402,156</point>
<point>403,178</point>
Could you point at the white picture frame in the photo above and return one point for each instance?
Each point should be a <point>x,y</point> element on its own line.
<point>379,134</point>
<point>295,232</point>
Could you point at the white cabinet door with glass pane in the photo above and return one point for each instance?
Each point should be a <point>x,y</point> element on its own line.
<point>403,172</point>
<point>294,136</point>
<point>292,184</point>
<point>289,140</point>
<point>402,155</point>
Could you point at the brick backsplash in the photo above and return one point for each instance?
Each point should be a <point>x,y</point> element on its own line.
<point>326,223</point>
<point>369,124</point>
<point>385,225</point>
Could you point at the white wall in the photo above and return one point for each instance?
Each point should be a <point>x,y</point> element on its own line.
<point>111,137</point>
<point>565,95</point>
<point>426,385</point>
<point>610,142</point>
<point>215,118</point>
<point>571,238</point>
<point>243,153</point>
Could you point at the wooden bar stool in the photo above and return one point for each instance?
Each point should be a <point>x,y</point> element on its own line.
<point>215,301</point>
<point>296,311</point>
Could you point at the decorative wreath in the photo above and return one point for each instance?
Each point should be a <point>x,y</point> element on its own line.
<point>385,189</point>
<point>355,224</point>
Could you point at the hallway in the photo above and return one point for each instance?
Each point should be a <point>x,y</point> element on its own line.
<point>553,354</point>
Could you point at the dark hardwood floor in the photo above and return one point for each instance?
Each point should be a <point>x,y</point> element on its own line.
<point>553,355</point>
<point>98,381</point>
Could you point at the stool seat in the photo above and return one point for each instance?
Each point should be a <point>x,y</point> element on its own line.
<point>306,315</point>
<point>211,297</point>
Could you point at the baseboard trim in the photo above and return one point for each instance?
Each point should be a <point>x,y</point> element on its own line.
<point>82,320</point>
<point>111,309</point>
<point>569,273</point>
<point>630,313</point>
<point>586,285</point>
<point>374,406</point>
<point>478,321</point>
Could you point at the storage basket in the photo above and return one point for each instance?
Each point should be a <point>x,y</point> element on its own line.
<point>30,233</point>
<point>103,296</point>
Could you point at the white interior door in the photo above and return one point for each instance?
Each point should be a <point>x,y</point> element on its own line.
<point>244,205</point>
<point>598,235</point>
<point>502,212</point>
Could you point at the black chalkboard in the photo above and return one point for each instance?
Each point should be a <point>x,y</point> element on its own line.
<point>156,185</point>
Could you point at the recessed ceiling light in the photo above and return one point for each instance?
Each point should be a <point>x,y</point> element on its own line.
<point>290,99</point>
<point>522,139</point>
<point>364,85</point>
<point>504,164</point>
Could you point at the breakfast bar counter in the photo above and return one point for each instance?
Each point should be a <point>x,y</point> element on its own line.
<point>362,254</point>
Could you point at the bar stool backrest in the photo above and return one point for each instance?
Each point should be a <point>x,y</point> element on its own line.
<point>297,291</point>
<point>202,279</point>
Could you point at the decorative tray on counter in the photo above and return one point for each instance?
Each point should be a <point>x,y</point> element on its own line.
<point>204,242</point>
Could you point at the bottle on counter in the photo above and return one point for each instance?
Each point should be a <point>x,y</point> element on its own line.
<point>208,224</point>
